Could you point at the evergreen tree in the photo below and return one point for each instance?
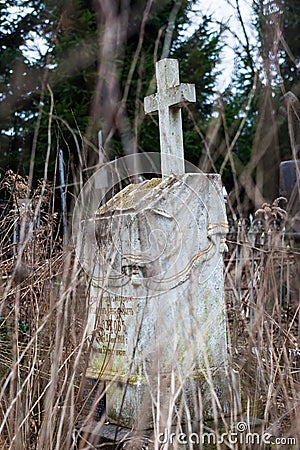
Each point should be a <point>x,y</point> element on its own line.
<point>98,67</point>
<point>199,56</point>
<point>277,25</point>
<point>18,78</point>
<point>254,137</point>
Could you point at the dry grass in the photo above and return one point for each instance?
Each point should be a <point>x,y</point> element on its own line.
<point>45,296</point>
<point>45,347</point>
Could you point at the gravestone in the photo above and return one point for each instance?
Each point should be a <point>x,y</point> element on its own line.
<point>157,291</point>
<point>290,170</point>
<point>290,189</point>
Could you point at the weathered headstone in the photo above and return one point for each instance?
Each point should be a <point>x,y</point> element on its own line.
<point>157,290</point>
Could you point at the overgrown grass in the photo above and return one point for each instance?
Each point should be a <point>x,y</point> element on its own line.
<point>45,335</point>
<point>45,344</point>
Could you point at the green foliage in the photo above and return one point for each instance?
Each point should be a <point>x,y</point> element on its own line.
<point>277,25</point>
<point>19,80</point>
<point>280,18</point>
<point>290,29</point>
<point>199,56</point>
<point>263,73</point>
<point>72,33</point>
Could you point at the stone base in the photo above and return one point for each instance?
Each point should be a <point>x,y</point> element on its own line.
<point>138,405</point>
<point>106,435</point>
<point>110,436</point>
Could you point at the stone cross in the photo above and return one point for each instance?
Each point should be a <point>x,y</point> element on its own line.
<point>158,283</point>
<point>170,97</point>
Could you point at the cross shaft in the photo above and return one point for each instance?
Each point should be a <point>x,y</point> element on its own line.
<point>170,97</point>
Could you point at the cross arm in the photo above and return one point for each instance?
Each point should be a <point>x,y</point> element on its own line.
<point>181,95</point>
<point>151,104</point>
<point>177,96</point>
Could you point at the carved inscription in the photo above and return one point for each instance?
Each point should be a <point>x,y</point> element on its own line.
<point>113,321</point>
